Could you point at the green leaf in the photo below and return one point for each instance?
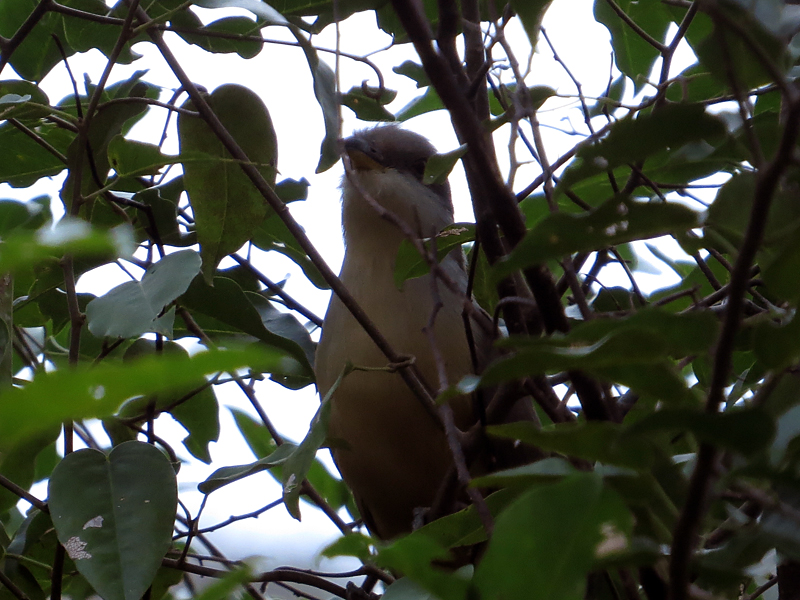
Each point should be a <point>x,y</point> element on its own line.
<point>729,214</point>
<point>747,430</point>
<point>351,544</point>
<point>132,308</point>
<point>780,273</point>
<point>612,97</point>
<point>27,93</point>
<point>633,140</point>
<point>405,589</point>
<point>291,190</point>
<point>258,437</point>
<point>224,588</point>
<point>537,95</point>
<point>242,26</point>
<point>114,514</point>
<point>660,381</point>
<point>226,475</point>
<point>227,207</point>
<point>129,157</point>
<point>17,215</point>
<point>19,464</point>
<point>37,53</point>
<point>413,71</point>
<point>165,216</point>
<point>23,161</point>
<point>325,93</point>
<point>679,334</point>
<point>427,102</point>
<point>591,440</point>
<point>260,9</point>
<point>82,393</point>
<point>616,221</point>
<point>409,264</point>
<point>412,555</point>
<point>283,324</point>
<point>438,167</point>
<point>366,105</point>
<point>725,53</point>
<point>777,347</point>
<point>227,303</point>
<point>546,470</point>
<point>274,235</point>
<point>194,406</point>
<point>83,34</point>
<point>23,250</point>
<point>585,349</point>
<point>633,55</point>
<point>109,120</point>
<point>296,467</point>
<point>531,13</point>
<point>35,543</point>
<point>584,522</point>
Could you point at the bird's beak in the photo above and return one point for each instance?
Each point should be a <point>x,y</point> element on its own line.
<point>362,157</point>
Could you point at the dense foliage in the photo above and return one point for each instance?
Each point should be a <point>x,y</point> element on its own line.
<point>672,417</point>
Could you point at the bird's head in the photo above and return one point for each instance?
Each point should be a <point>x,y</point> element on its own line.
<point>386,164</point>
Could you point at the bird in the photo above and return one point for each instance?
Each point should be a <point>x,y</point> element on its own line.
<point>389,449</point>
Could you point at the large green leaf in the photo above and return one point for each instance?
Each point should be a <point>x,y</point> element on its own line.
<point>109,121</point>
<point>744,430</point>
<point>23,215</point>
<point>531,13</point>
<point>24,250</point>
<point>58,396</point>
<point>729,214</point>
<point>194,406</point>
<point>226,205</point>
<point>274,235</point>
<point>726,54</point>
<point>23,161</point>
<point>129,157</point>
<point>413,555</point>
<point>298,464</point>
<point>633,55</point>
<point>232,26</point>
<point>283,324</point>
<point>633,140</point>
<point>427,102</point>
<point>777,347</point>
<point>591,440</point>
<point>369,106</point>
<point>37,53</point>
<point>134,307</point>
<point>678,335</point>
<point>19,464</point>
<point>226,475</point>
<point>25,93</point>
<point>114,515</point>
<point>550,537</point>
<point>84,34</point>
<point>227,303</point>
<point>616,221</point>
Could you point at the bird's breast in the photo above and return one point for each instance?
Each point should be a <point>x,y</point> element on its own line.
<point>387,446</point>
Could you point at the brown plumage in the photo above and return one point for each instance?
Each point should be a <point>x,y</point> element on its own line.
<point>388,448</point>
